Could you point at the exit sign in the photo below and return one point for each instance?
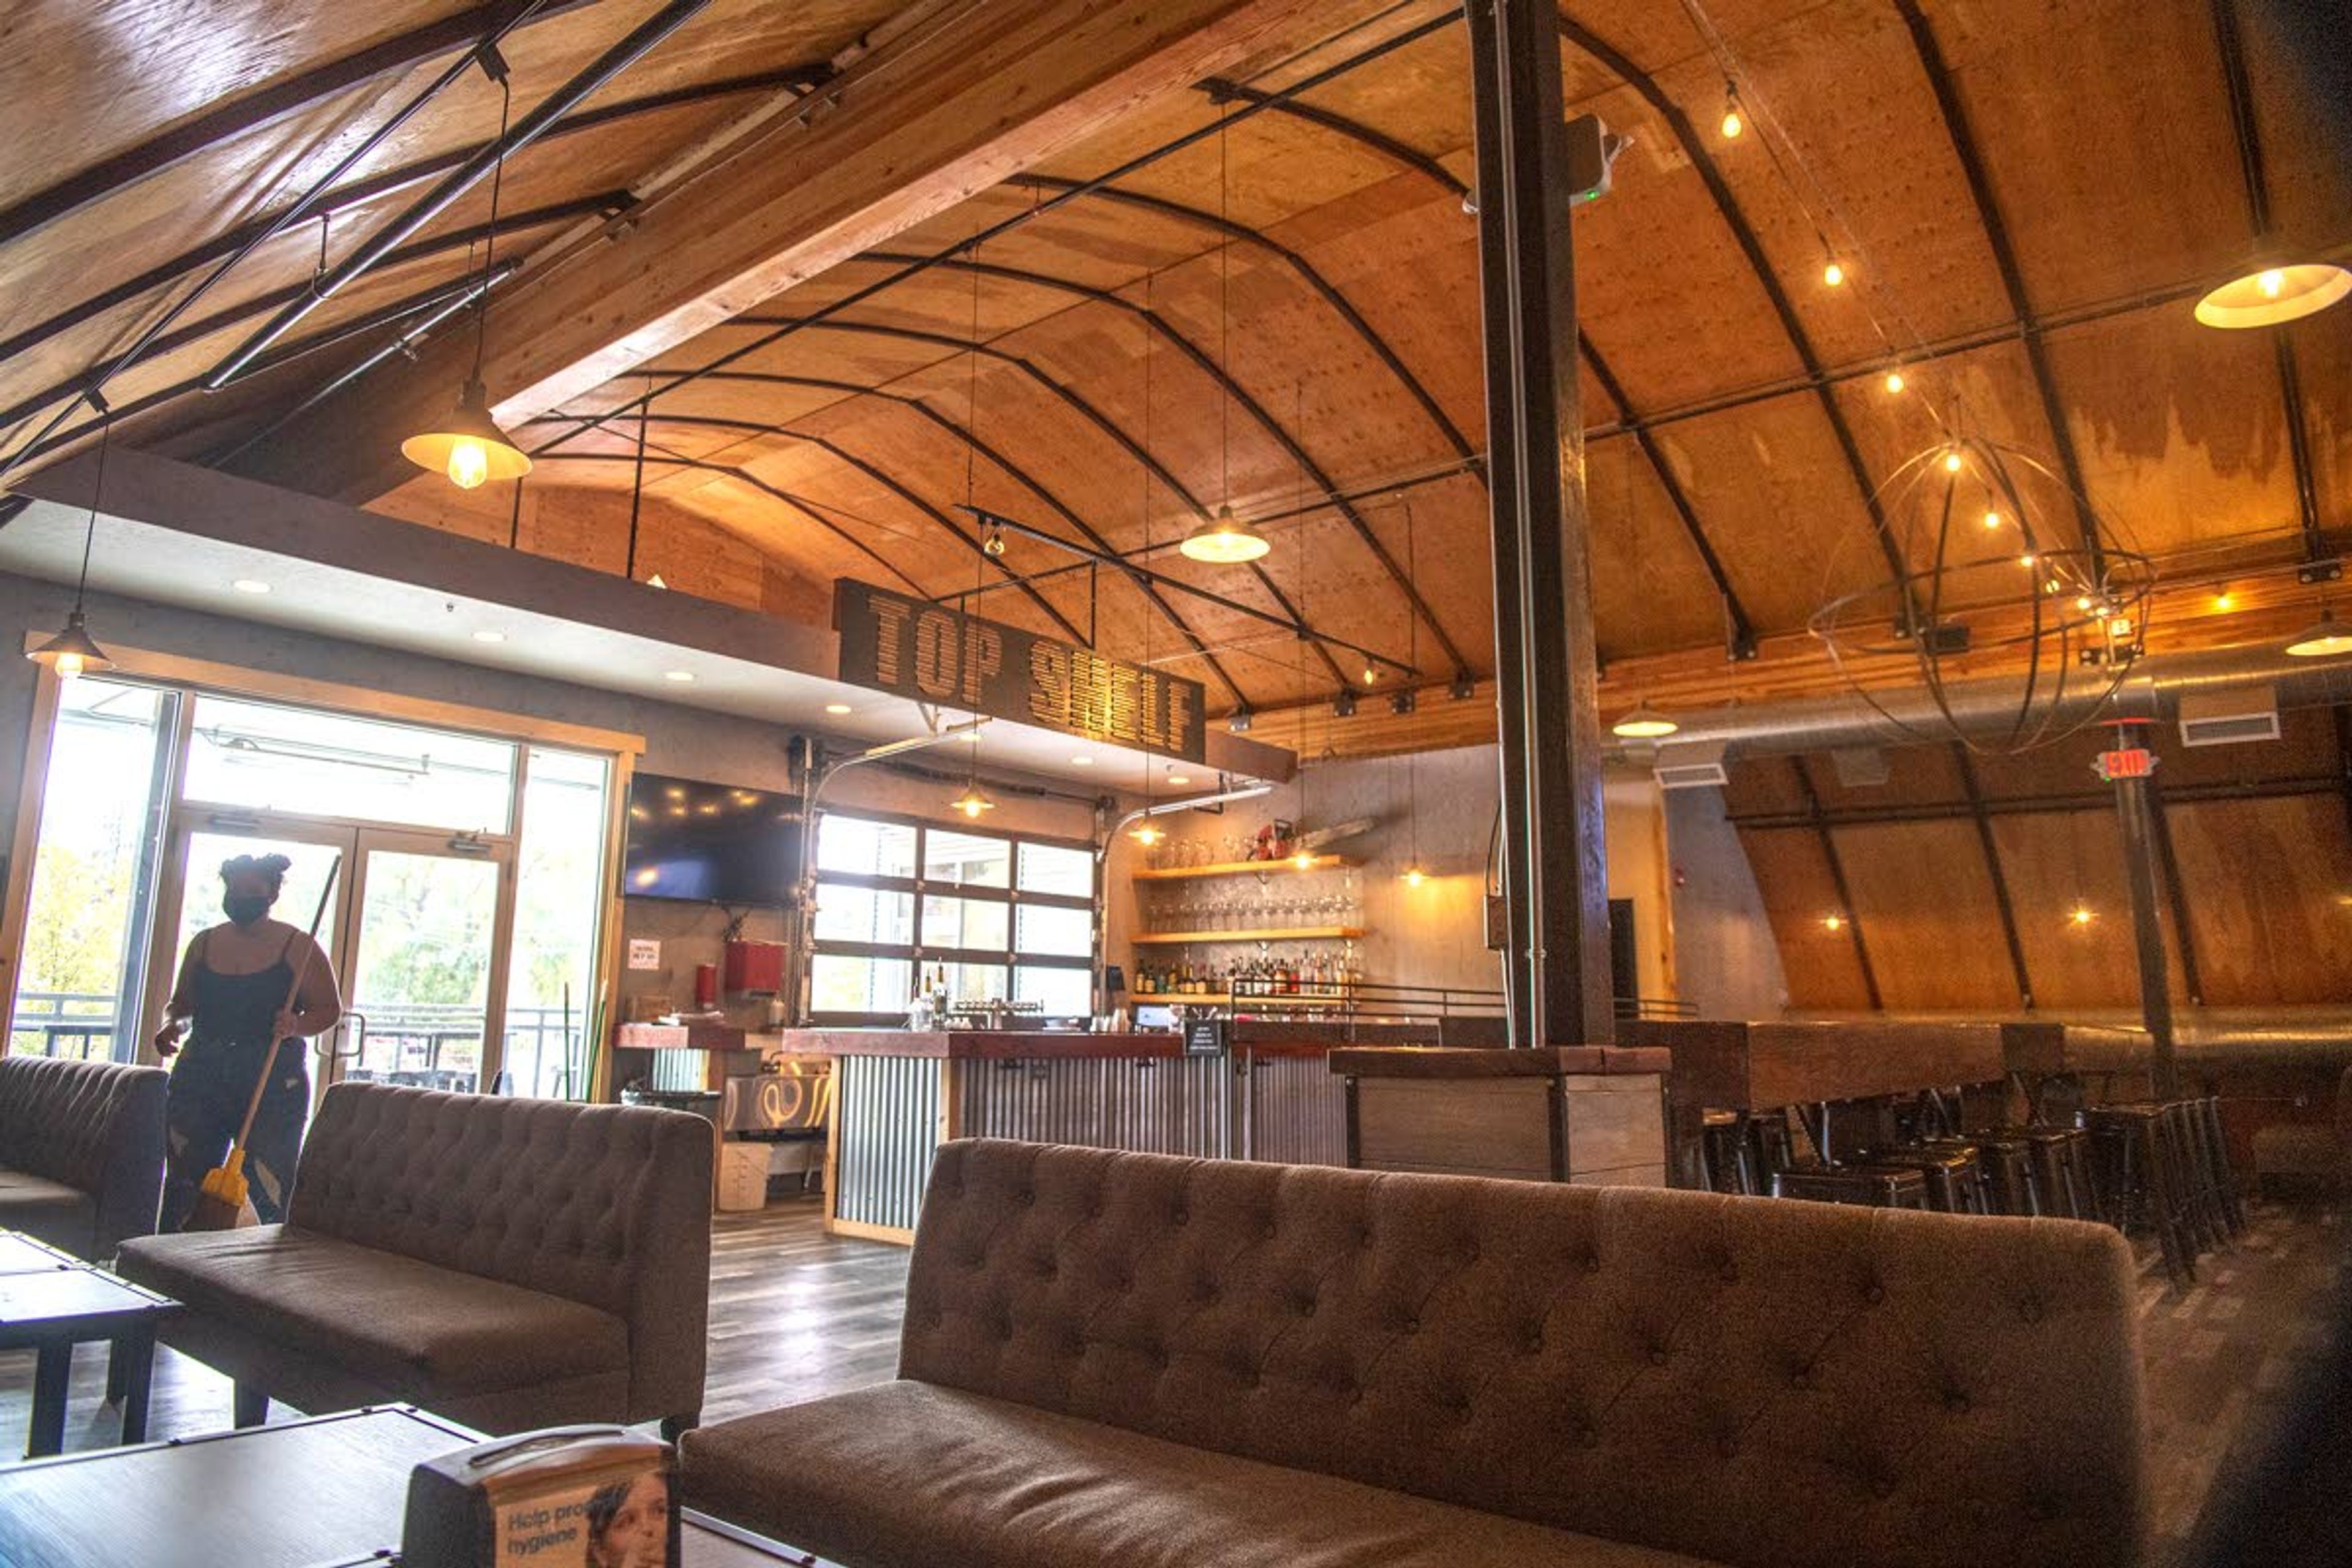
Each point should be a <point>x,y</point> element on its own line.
<point>2132,762</point>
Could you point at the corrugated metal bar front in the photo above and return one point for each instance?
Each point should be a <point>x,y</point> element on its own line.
<point>890,1112</point>
<point>1293,1110</point>
<point>1149,1106</point>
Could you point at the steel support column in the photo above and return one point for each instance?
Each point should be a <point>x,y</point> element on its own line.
<point>2136,813</point>
<point>1555,862</point>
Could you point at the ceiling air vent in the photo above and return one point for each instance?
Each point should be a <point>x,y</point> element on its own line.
<point>2229,718</point>
<point>1697,765</point>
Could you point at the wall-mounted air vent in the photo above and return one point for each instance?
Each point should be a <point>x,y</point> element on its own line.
<point>1697,765</point>
<point>2229,718</point>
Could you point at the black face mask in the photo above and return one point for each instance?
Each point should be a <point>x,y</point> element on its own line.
<point>243,909</point>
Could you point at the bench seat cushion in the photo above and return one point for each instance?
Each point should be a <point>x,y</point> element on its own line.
<point>413,1328</point>
<point>910,1475</point>
<point>55,1213</point>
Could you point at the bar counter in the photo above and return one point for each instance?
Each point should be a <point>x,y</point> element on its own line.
<point>898,1094</point>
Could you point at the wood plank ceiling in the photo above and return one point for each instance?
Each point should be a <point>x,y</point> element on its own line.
<point>1282,314</point>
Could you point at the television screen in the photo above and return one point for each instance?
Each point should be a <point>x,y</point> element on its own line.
<point>711,843</point>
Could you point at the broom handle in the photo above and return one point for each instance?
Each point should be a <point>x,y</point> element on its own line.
<point>270,1057</point>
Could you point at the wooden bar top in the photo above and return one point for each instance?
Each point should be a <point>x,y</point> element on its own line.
<point>1732,1066</point>
<point>1483,1062</point>
<point>983,1044</point>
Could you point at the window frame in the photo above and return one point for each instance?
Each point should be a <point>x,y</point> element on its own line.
<point>918,886</point>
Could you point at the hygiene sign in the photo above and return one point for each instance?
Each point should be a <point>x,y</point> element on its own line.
<point>913,648</point>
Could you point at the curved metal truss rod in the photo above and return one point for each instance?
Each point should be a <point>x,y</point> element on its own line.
<point>1955,113</point>
<point>1222,91</point>
<point>1693,148</point>
<point>911,266</point>
<point>1743,630</point>
<point>1250,407</point>
<point>374,185</point>
<point>1308,274</point>
<point>814,510</point>
<point>610,202</point>
<point>1078,404</point>
<point>959,432</point>
<point>887,480</point>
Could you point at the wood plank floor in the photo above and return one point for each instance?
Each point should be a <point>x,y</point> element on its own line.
<point>796,1314</point>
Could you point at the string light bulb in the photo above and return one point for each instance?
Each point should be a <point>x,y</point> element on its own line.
<point>1953,461</point>
<point>2081,916</point>
<point>2028,561</point>
<point>1833,273</point>
<point>1895,383</point>
<point>1732,122</point>
<point>1834,922</point>
<point>1992,519</point>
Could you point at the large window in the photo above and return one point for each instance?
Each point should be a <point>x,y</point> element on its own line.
<point>1002,918</point>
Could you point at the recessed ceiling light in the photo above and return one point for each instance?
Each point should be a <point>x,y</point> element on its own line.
<point>250,586</point>
<point>838,708</point>
<point>1179,780</point>
<point>683,677</point>
<point>486,636</point>
<point>1082,762</point>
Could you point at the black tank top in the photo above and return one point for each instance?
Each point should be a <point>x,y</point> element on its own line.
<point>237,1010</point>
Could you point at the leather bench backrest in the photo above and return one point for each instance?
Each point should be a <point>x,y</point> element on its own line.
<point>590,1203</point>
<point>1752,1381</point>
<point>55,1115</point>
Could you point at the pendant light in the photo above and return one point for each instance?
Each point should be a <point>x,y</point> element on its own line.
<point>1643,723</point>
<point>973,802</point>
<point>1146,832</point>
<point>467,443</point>
<point>1224,539</point>
<point>72,651</point>
<point>2324,640</point>
<point>2271,291</point>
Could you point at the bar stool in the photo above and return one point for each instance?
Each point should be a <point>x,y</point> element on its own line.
<point>1883,1187</point>
<point>2140,1149</point>
<point>1724,1154</point>
<point>2209,1218</point>
<point>2007,1166</point>
<point>1771,1149</point>
<point>2063,1181</point>
<point>1955,1183</point>
<point>2225,1181</point>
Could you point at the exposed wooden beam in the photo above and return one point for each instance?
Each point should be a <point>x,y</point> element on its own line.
<point>1398,153</point>
<point>956,96</point>
<point>255,110</point>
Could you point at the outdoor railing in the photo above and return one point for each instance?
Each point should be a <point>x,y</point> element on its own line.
<point>397,1044</point>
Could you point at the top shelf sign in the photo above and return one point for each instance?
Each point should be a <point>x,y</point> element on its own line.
<point>915,648</point>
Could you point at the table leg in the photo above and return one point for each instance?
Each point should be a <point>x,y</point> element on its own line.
<point>136,1350</point>
<point>52,1370</point>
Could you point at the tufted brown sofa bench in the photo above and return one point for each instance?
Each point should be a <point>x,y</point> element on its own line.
<point>1138,1361</point>
<point>81,1152</point>
<point>506,1263</point>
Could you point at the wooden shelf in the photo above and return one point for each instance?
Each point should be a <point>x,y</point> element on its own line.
<point>1203,938</point>
<point>1241,868</point>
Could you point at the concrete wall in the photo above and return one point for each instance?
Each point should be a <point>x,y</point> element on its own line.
<point>1726,958</point>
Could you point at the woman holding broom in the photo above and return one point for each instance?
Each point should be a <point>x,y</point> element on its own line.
<point>232,1002</point>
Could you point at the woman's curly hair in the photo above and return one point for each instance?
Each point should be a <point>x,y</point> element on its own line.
<point>272,868</point>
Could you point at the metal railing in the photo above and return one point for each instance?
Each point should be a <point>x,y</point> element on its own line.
<point>399,1044</point>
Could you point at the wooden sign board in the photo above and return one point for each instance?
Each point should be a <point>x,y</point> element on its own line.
<point>912,647</point>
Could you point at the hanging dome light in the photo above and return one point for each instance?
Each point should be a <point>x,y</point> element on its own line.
<point>971,802</point>
<point>1146,833</point>
<point>1224,540</point>
<point>71,652</point>
<point>1643,723</point>
<point>468,445</point>
<point>1412,876</point>
<point>2272,290</point>
<point>2321,641</point>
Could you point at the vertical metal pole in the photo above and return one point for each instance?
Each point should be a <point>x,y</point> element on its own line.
<point>2134,811</point>
<point>1555,871</point>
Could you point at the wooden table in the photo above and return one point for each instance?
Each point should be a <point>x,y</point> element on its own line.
<point>51,1302</point>
<point>330,1490</point>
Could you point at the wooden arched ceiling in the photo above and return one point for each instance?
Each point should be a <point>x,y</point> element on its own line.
<point>2038,193</point>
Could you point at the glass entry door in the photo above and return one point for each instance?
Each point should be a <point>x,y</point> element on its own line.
<point>429,964</point>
